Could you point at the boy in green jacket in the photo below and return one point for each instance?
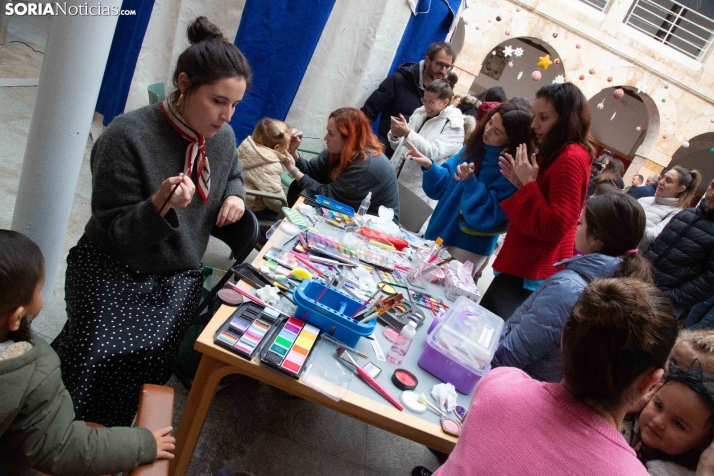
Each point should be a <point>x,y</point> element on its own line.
<point>37,427</point>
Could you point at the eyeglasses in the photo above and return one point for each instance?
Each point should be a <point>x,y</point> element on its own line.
<point>430,103</point>
<point>446,66</point>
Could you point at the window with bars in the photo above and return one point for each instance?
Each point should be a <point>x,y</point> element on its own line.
<point>687,27</point>
<point>598,5</point>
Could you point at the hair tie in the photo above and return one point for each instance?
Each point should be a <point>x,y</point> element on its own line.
<point>631,252</point>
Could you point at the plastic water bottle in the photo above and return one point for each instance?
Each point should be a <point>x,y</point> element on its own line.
<point>364,206</point>
<point>401,345</point>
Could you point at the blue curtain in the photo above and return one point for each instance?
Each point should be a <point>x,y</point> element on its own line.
<point>128,37</point>
<point>278,37</point>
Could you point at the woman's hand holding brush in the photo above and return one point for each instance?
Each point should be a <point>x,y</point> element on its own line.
<point>174,191</point>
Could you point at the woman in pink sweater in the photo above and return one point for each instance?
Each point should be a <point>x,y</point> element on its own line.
<point>614,347</point>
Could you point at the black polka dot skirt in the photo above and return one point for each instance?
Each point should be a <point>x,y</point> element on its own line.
<point>123,330</point>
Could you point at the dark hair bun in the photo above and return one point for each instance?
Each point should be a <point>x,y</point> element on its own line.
<point>201,29</point>
<point>452,79</point>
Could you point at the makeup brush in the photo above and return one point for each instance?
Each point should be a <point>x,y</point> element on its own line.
<point>170,195</point>
<point>342,353</point>
<point>422,399</point>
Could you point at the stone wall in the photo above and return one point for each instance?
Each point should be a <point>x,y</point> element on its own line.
<point>680,88</point>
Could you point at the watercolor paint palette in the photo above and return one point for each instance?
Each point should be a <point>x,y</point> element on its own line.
<point>331,249</point>
<point>245,331</point>
<point>427,301</point>
<point>288,350</point>
<point>375,259</point>
<point>391,278</point>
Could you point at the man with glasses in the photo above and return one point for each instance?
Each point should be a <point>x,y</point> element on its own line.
<point>402,91</point>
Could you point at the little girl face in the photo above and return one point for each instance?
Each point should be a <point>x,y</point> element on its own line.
<point>682,355</point>
<point>676,420</point>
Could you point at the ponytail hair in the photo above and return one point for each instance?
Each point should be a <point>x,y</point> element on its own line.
<point>618,221</point>
<point>691,180</point>
<point>271,132</point>
<point>619,330</point>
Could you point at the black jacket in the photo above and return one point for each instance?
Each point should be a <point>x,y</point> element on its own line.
<point>643,191</point>
<point>398,94</point>
<point>683,257</point>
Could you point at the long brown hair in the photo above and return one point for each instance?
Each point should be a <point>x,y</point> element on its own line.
<point>572,126</point>
<point>516,122</point>
<point>360,141</point>
<point>691,180</point>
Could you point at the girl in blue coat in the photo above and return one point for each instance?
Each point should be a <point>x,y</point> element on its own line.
<point>610,228</point>
<point>469,186</point>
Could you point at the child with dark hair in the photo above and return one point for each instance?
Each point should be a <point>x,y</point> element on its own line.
<point>37,423</point>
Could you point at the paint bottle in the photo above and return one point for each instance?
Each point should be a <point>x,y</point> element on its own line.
<point>401,346</point>
<point>364,206</point>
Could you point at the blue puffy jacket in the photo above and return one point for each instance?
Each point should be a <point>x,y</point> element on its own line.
<point>531,338</point>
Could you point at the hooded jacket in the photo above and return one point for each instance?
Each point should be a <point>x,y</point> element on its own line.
<point>683,258</point>
<point>37,420</point>
<point>531,338</point>
<point>399,93</point>
<point>658,212</point>
<point>438,138</point>
<point>262,168</point>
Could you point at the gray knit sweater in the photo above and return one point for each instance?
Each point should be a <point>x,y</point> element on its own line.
<point>131,158</point>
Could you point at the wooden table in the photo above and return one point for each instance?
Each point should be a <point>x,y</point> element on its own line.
<point>216,363</point>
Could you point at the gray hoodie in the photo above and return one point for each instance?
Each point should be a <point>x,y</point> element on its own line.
<point>531,338</point>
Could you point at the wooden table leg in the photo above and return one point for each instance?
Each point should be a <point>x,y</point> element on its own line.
<point>209,374</point>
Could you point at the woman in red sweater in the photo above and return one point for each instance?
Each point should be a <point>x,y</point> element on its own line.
<point>552,188</point>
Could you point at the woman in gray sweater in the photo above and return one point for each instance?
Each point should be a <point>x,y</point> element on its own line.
<point>134,279</point>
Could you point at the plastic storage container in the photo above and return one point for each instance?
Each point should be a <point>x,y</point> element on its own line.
<point>332,312</point>
<point>460,348</point>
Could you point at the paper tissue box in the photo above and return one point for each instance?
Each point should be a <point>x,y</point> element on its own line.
<point>458,281</point>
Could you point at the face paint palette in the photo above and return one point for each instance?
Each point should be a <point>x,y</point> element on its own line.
<point>391,277</point>
<point>288,349</point>
<point>331,249</point>
<point>244,332</point>
<point>337,219</point>
<point>429,302</point>
<point>375,259</point>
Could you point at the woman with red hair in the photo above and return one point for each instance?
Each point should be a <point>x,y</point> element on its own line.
<point>352,165</point>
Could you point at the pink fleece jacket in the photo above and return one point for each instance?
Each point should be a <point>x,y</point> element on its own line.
<point>520,426</point>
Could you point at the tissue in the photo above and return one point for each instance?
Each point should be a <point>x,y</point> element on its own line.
<point>445,396</point>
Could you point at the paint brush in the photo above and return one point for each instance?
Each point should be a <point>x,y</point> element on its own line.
<point>255,299</point>
<point>365,303</point>
<point>342,354</point>
<point>422,399</point>
<point>306,262</point>
<point>171,194</point>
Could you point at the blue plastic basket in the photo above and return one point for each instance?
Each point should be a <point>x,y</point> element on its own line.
<point>335,205</point>
<point>332,313</point>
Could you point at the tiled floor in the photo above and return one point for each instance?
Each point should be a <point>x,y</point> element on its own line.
<point>251,426</point>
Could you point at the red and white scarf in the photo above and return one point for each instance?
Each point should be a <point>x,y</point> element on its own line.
<point>196,150</point>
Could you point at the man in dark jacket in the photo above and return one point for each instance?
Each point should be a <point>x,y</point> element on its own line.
<point>646,190</point>
<point>683,256</point>
<point>403,90</point>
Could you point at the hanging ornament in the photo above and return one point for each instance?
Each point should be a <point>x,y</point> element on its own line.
<point>619,93</point>
<point>557,61</point>
<point>613,115</point>
<point>510,64</point>
<point>536,75</point>
<point>711,150</point>
<point>518,52</point>
<point>664,136</point>
<point>493,53</point>
<point>640,87</point>
<point>544,62</point>
<point>582,77</point>
<point>520,75</point>
<point>518,9</point>
<point>592,71</point>
<point>609,79</point>
<point>601,105</point>
<point>712,120</point>
<point>666,86</point>
<point>664,100</point>
<point>508,50</point>
<point>578,46</point>
<point>508,32</point>
<point>498,18</point>
<point>685,144</point>
<point>560,79</point>
<point>638,128</point>
<point>555,35</point>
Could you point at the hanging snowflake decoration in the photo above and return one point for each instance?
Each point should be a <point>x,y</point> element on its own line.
<point>508,50</point>
<point>520,75</point>
<point>518,52</point>
<point>640,87</point>
<point>560,79</point>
